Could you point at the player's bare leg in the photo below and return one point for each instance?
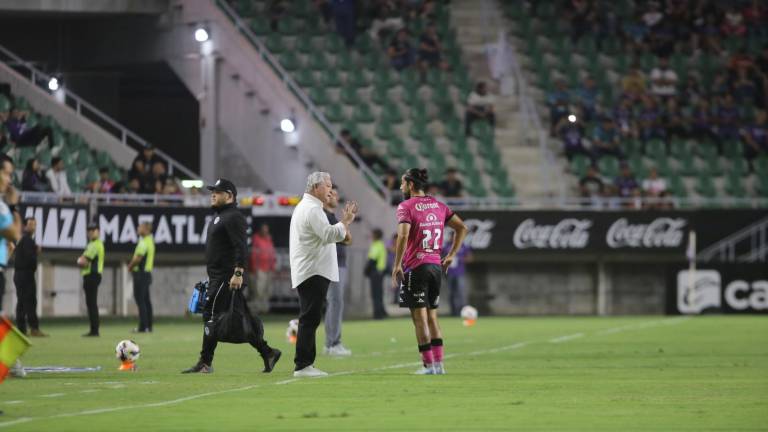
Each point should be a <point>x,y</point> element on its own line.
<point>421,325</point>
<point>436,341</point>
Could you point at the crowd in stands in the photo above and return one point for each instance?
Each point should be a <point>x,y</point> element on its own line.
<point>659,98</point>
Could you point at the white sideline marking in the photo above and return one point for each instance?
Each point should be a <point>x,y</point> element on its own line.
<point>16,402</point>
<point>52,395</point>
<point>566,338</point>
<point>90,391</point>
<point>395,366</point>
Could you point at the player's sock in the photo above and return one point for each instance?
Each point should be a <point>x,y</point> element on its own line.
<point>437,350</point>
<point>426,354</point>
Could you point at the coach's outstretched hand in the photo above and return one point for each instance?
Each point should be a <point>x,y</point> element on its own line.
<point>349,212</point>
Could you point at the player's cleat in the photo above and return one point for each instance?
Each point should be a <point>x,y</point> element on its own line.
<point>271,361</point>
<point>136,330</point>
<point>37,333</point>
<point>309,371</point>
<point>127,366</point>
<point>439,368</point>
<point>91,334</point>
<point>17,370</point>
<point>200,367</point>
<point>425,370</point>
<point>337,350</point>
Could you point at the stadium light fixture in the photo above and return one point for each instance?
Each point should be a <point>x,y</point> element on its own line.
<point>287,125</point>
<point>192,184</point>
<point>201,34</point>
<point>53,84</point>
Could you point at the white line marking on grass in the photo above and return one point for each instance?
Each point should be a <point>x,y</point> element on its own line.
<point>16,402</point>
<point>251,387</point>
<point>640,326</point>
<point>52,395</point>
<point>566,338</point>
<point>90,391</point>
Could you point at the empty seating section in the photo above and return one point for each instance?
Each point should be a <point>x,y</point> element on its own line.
<point>409,119</point>
<point>694,166</point>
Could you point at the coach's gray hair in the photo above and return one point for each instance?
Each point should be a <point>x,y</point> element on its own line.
<point>316,178</point>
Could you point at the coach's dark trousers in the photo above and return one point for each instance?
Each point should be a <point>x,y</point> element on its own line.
<point>26,300</point>
<point>377,295</point>
<point>312,294</point>
<point>91,284</point>
<point>216,304</point>
<point>141,282</point>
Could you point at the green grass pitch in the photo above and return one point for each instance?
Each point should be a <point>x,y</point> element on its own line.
<point>609,374</point>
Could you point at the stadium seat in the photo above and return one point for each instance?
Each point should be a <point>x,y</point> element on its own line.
<point>608,166</point>
<point>363,114</point>
<point>579,165</point>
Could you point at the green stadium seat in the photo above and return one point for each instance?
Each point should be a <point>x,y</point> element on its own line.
<point>608,166</point>
<point>384,131</point>
<point>334,113</point>
<point>357,78</point>
<point>391,113</point>
<point>317,61</point>
<point>656,149</point>
<point>274,43</point>
<point>734,186</point>
<point>349,96</point>
<point>330,78</point>
<point>319,96</point>
<point>579,165</point>
<point>427,146</point>
<point>705,186</point>
<point>739,166</point>
<point>260,26</point>
<point>289,26</point>
<point>712,166</point>
<point>677,187</point>
<point>305,78</point>
<point>363,114</point>
<point>418,131</point>
<point>290,61</point>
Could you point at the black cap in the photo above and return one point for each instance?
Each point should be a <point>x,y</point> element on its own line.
<point>92,226</point>
<point>223,185</point>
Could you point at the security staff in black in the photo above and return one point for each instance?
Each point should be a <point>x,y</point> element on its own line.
<point>225,255</point>
<point>25,266</point>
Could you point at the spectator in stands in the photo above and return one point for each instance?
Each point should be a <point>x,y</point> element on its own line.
<point>140,173</point>
<point>654,186</point>
<point>708,35</point>
<point>653,16</point>
<point>23,135</point>
<point>344,16</point>
<point>557,101</point>
<point>649,120</point>
<point>134,186</point>
<point>702,122</point>
<point>606,139</point>
<point>392,182</point>
<point>663,79</point>
<point>325,9</point>
<point>691,93</point>
<point>105,183</point>
<point>451,186</point>
<point>744,89</point>
<point>172,187</point>
<point>57,177</point>
<point>626,184</point>
<point>385,22</point>
<point>149,157</point>
<point>429,50</point>
<point>158,171</point>
<point>591,186</point>
<point>624,117</point>
<point>572,134</point>
<point>479,107</point>
<point>400,51</point>
<point>755,14</point>
<point>587,98</point>
<point>608,24</point>
<point>733,24</point>
<point>276,10</point>
<point>727,119</point>
<point>581,17</point>
<point>673,121</point>
<point>433,189</point>
<point>32,178</point>
<point>755,137</point>
<point>633,84</point>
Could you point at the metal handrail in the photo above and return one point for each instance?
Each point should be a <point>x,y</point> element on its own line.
<point>81,107</point>
<point>728,243</point>
<point>299,92</point>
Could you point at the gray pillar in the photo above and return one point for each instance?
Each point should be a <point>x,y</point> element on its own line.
<point>604,289</point>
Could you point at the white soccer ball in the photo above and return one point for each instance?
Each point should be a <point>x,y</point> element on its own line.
<point>127,350</point>
<point>292,331</point>
<point>469,313</point>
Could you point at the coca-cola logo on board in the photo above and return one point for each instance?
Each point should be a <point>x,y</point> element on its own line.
<point>569,233</point>
<point>662,232</point>
<point>479,233</point>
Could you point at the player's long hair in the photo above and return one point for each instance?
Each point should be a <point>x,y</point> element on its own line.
<point>419,177</point>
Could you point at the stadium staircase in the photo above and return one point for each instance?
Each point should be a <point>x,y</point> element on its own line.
<point>410,122</point>
<point>478,25</point>
<point>694,170</point>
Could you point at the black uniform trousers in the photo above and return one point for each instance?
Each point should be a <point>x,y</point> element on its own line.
<point>217,301</point>
<point>91,284</point>
<point>141,283</point>
<point>377,294</point>
<point>312,294</point>
<point>26,300</point>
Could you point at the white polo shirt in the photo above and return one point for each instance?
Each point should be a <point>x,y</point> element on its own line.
<point>312,242</point>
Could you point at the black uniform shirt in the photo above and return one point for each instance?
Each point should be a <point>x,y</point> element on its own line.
<point>26,254</point>
<point>226,246</point>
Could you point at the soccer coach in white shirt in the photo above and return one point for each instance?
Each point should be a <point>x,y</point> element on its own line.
<point>312,246</point>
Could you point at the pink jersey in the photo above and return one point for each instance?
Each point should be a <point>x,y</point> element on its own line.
<point>427,217</point>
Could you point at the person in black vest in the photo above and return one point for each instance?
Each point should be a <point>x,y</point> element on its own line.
<point>225,255</point>
<point>24,279</point>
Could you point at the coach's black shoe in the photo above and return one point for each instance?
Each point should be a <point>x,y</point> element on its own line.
<point>271,361</point>
<point>91,334</point>
<point>200,367</point>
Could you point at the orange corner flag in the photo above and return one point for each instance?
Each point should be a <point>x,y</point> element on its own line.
<point>12,345</point>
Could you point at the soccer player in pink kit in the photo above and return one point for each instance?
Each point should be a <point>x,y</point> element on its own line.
<point>418,267</point>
